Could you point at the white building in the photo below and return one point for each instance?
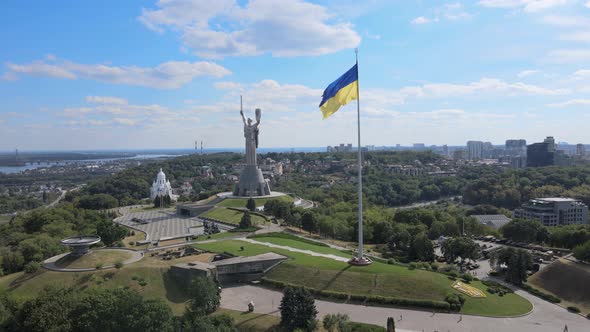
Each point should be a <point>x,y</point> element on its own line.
<point>161,187</point>
<point>554,211</point>
<point>474,150</point>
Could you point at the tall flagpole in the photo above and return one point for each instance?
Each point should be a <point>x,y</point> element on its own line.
<point>360,176</point>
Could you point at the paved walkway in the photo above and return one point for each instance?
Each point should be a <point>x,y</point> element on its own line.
<point>50,262</point>
<point>308,252</point>
<point>545,317</point>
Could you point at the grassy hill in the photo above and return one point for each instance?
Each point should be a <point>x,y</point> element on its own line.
<point>231,216</point>
<point>241,202</point>
<point>147,276</point>
<point>566,280</point>
<point>377,279</point>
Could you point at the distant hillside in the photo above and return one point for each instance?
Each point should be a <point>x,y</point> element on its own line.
<point>566,280</point>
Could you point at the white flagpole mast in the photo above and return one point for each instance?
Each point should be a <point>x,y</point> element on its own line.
<point>360,166</point>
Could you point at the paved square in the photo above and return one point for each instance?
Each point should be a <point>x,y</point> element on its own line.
<point>163,225</point>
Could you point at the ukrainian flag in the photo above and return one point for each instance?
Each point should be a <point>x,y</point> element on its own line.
<point>340,92</point>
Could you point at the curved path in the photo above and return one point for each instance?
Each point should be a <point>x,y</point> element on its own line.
<point>49,263</point>
<point>545,316</point>
<point>303,251</point>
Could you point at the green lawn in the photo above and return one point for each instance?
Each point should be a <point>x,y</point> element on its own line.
<point>241,202</point>
<point>221,235</point>
<point>90,260</point>
<point>376,279</point>
<point>249,321</point>
<point>23,286</point>
<point>301,245</point>
<point>231,216</point>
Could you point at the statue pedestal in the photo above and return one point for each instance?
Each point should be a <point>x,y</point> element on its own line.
<point>251,183</point>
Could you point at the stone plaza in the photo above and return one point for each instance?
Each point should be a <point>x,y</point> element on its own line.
<point>164,224</point>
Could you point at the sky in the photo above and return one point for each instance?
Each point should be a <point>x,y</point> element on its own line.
<point>106,74</point>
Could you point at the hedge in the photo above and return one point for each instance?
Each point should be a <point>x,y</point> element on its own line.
<point>536,292</point>
<point>289,237</point>
<point>374,299</point>
<point>574,309</point>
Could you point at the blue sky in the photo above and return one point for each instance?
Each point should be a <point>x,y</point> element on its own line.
<point>162,74</point>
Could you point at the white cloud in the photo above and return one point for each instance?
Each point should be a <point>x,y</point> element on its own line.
<point>526,5</point>
<point>125,121</point>
<point>421,20</point>
<point>573,102</point>
<point>284,29</point>
<point>580,36</point>
<point>587,4</point>
<point>569,56</point>
<point>106,100</point>
<point>567,21</point>
<point>168,75</point>
<point>526,73</point>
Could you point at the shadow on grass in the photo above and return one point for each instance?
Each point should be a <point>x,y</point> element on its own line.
<point>174,291</point>
<point>331,281</point>
<point>25,277</point>
<point>252,323</point>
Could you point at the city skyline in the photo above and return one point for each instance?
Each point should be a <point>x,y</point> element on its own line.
<point>152,75</point>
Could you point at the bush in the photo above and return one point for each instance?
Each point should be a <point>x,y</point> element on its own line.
<point>391,261</point>
<point>118,264</point>
<point>32,267</point>
<point>536,292</point>
<point>573,309</point>
<point>98,266</point>
<point>452,274</point>
<point>467,277</point>
<point>131,243</point>
<point>588,316</point>
<point>434,266</point>
<point>455,301</point>
<point>412,266</point>
<point>375,299</point>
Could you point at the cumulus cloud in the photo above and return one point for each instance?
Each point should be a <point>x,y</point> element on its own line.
<point>168,75</point>
<point>568,56</point>
<point>284,29</point>
<point>106,100</point>
<point>526,5</point>
<point>573,102</point>
<point>420,20</point>
<point>526,73</point>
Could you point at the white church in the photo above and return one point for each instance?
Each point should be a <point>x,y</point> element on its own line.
<point>161,187</point>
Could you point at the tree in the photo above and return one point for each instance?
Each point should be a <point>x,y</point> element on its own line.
<point>517,262</point>
<point>297,309</point>
<point>309,221</point>
<point>459,247</point>
<point>336,322</point>
<point>251,204</point>
<point>390,324</point>
<point>204,296</point>
<point>98,202</point>
<point>422,249</point>
<point>246,221</point>
<point>524,230</point>
<point>110,232</point>
<point>400,240</point>
<point>582,252</point>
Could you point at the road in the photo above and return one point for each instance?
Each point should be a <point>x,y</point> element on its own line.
<point>545,316</point>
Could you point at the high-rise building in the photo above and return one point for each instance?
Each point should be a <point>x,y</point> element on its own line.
<point>515,144</point>
<point>554,211</point>
<point>459,154</point>
<point>445,150</point>
<point>550,143</point>
<point>580,150</point>
<point>474,150</point>
<point>539,155</point>
<point>419,146</point>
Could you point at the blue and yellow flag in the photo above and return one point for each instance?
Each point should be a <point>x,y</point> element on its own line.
<point>340,92</point>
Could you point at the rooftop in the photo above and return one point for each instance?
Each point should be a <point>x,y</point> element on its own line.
<point>493,220</point>
<point>557,199</point>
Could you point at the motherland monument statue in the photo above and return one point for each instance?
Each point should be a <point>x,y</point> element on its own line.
<point>251,182</point>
